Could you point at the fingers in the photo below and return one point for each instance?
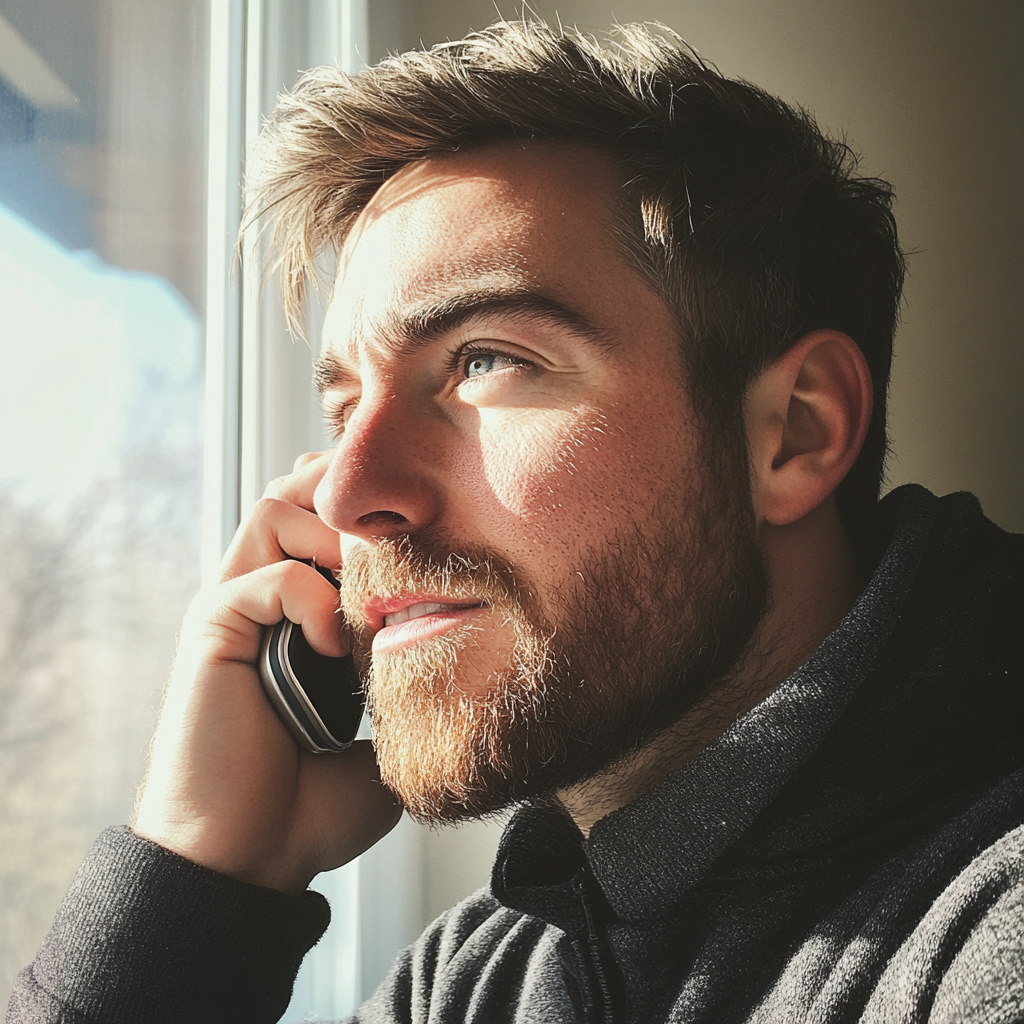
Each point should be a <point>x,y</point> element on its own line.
<point>282,523</point>
<point>307,457</point>
<point>295,591</point>
<point>227,621</point>
<point>299,485</point>
<point>277,529</point>
<point>226,786</point>
<point>260,582</point>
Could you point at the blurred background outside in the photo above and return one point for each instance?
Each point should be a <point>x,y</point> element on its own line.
<point>102,235</point>
<point>146,398</point>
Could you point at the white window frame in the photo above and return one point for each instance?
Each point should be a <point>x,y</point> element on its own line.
<point>259,415</point>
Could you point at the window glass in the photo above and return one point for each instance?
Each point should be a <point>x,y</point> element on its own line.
<point>102,241</point>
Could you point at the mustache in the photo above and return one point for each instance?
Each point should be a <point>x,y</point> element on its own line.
<point>400,567</point>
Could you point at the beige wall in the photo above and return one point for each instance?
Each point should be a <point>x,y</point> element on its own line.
<point>931,94</point>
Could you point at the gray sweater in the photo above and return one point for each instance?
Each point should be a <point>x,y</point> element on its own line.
<point>852,849</point>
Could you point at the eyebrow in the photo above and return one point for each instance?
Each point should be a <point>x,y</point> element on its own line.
<point>423,325</point>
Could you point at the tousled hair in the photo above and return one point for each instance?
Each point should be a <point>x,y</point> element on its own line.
<point>751,224</point>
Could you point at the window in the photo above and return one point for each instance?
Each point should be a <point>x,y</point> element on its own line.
<point>102,243</point>
<point>147,395</point>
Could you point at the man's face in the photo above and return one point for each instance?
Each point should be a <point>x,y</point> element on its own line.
<point>540,566</point>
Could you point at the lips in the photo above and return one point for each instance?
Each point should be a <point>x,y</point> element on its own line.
<point>400,622</point>
<point>416,611</point>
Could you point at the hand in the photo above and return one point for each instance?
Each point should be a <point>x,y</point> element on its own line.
<point>226,785</point>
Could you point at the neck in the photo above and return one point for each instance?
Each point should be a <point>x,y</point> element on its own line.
<point>814,581</point>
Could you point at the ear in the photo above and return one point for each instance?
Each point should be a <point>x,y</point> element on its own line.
<point>806,418</point>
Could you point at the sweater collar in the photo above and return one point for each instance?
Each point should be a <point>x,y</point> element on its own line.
<point>650,853</point>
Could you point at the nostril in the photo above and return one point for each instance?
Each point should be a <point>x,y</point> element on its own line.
<point>382,518</point>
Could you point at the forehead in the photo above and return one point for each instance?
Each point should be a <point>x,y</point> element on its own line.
<point>506,217</point>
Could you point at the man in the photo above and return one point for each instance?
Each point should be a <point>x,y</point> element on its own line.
<point>606,363</point>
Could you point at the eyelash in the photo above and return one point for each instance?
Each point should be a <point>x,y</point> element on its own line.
<point>335,417</point>
<point>457,356</point>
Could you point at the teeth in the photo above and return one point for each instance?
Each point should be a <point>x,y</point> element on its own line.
<point>416,611</point>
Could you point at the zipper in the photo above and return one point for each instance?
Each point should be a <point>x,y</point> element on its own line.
<point>594,960</point>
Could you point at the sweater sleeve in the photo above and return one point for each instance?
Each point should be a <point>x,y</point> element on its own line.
<point>146,936</point>
<point>964,962</point>
<point>985,982</point>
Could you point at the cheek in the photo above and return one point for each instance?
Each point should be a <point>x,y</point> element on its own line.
<point>533,463</point>
<point>556,484</point>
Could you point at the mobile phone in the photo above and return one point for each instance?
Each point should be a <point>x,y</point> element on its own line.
<point>319,699</point>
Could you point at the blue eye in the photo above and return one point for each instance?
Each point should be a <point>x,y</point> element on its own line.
<point>481,363</point>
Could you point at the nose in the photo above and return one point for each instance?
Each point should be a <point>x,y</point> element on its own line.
<point>384,478</point>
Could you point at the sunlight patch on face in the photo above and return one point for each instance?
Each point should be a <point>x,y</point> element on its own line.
<point>536,464</point>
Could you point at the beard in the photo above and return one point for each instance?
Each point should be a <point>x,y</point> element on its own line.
<point>640,632</point>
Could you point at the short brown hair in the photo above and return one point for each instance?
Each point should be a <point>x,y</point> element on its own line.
<point>749,221</point>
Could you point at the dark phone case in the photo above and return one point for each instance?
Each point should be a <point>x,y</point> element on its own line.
<point>319,699</point>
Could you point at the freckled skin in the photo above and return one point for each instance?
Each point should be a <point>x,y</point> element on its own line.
<point>541,465</point>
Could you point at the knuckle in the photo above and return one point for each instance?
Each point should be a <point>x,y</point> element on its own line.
<point>293,572</point>
<point>276,487</point>
<point>296,572</point>
<point>265,509</point>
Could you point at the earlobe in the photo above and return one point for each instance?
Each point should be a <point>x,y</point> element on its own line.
<point>806,417</point>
